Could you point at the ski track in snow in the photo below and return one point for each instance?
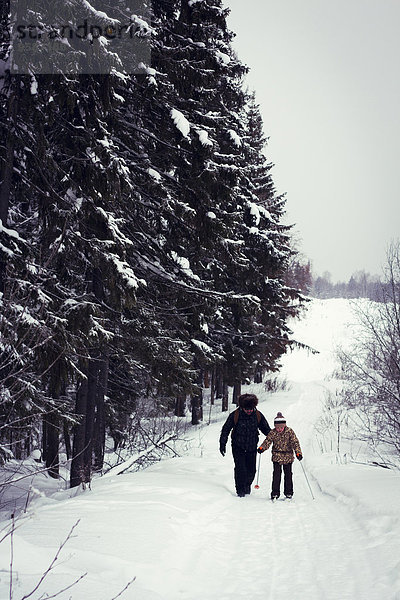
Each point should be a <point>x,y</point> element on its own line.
<point>179,528</point>
<point>251,547</point>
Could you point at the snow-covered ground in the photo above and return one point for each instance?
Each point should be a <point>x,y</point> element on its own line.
<point>179,529</point>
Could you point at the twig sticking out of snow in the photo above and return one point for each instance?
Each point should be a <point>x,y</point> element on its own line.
<point>50,568</point>
<point>124,590</point>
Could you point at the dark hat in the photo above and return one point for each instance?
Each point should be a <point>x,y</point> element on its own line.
<point>248,401</point>
<point>279,418</point>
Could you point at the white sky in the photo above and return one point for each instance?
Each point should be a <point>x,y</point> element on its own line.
<point>327,78</point>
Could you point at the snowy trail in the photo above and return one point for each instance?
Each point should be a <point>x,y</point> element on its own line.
<point>253,548</point>
<point>179,528</point>
<point>181,531</point>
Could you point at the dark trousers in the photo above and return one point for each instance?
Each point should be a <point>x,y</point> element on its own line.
<point>245,469</point>
<point>276,480</point>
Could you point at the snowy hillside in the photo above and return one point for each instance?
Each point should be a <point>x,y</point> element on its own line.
<point>179,529</point>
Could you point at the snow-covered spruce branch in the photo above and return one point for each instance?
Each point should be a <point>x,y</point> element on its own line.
<point>152,136</point>
<point>39,377</point>
<point>191,289</point>
<point>55,194</point>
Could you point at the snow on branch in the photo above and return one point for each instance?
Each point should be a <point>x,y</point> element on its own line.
<point>9,232</point>
<point>7,251</point>
<point>180,122</point>
<point>184,265</point>
<point>113,226</point>
<point>254,212</point>
<point>98,14</point>
<point>235,138</point>
<point>222,58</point>
<point>205,348</point>
<point>126,272</point>
<point>154,174</point>
<point>203,137</point>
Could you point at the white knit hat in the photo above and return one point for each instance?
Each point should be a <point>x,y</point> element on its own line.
<point>279,418</point>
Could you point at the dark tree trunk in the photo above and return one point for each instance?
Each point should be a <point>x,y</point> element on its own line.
<point>92,386</point>
<point>18,450</point>
<point>212,387</point>
<point>99,441</point>
<point>206,379</point>
<point>51,443</point>
<point>197,400</point>
<point>219,383</point>
<point>44,439</point>
<point>67,439</point>
<point>180,405</point>
<point>237,390</point>
<point>51,423</point>
<point>200,382</point>
<point>77,465</point>
<point>196,403</point>
<point>28,444</point>
<point>225,397</point>
<point>258,375</point>
<point>96,422</point>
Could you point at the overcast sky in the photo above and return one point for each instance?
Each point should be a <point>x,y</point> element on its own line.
<point>327,78</point>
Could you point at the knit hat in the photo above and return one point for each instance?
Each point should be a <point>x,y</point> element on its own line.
<point>279,418</point>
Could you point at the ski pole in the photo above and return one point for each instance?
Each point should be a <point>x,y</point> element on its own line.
<point>258,472</point>
<point>307,480</point>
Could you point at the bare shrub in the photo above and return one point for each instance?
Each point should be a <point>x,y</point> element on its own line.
<point>148,437</point>
<point>330,425</point>
<point>371,368</point>
<point>276,384</point>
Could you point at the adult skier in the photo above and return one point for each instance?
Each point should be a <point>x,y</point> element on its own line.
<point>244,423</point>
<point>284,442</point>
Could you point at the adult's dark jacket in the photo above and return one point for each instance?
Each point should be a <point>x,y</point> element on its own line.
<point>245,432</point>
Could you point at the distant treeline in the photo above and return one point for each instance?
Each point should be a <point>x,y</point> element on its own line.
<point>360,285</point>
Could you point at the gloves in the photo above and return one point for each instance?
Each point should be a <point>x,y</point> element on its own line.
<point>299,456</point>
<point>222,449</point>
<point>260,450</point>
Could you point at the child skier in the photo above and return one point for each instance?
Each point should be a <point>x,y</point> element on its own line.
<point>284,442</point>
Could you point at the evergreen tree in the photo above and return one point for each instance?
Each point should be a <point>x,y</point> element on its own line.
<point>141,236</point>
